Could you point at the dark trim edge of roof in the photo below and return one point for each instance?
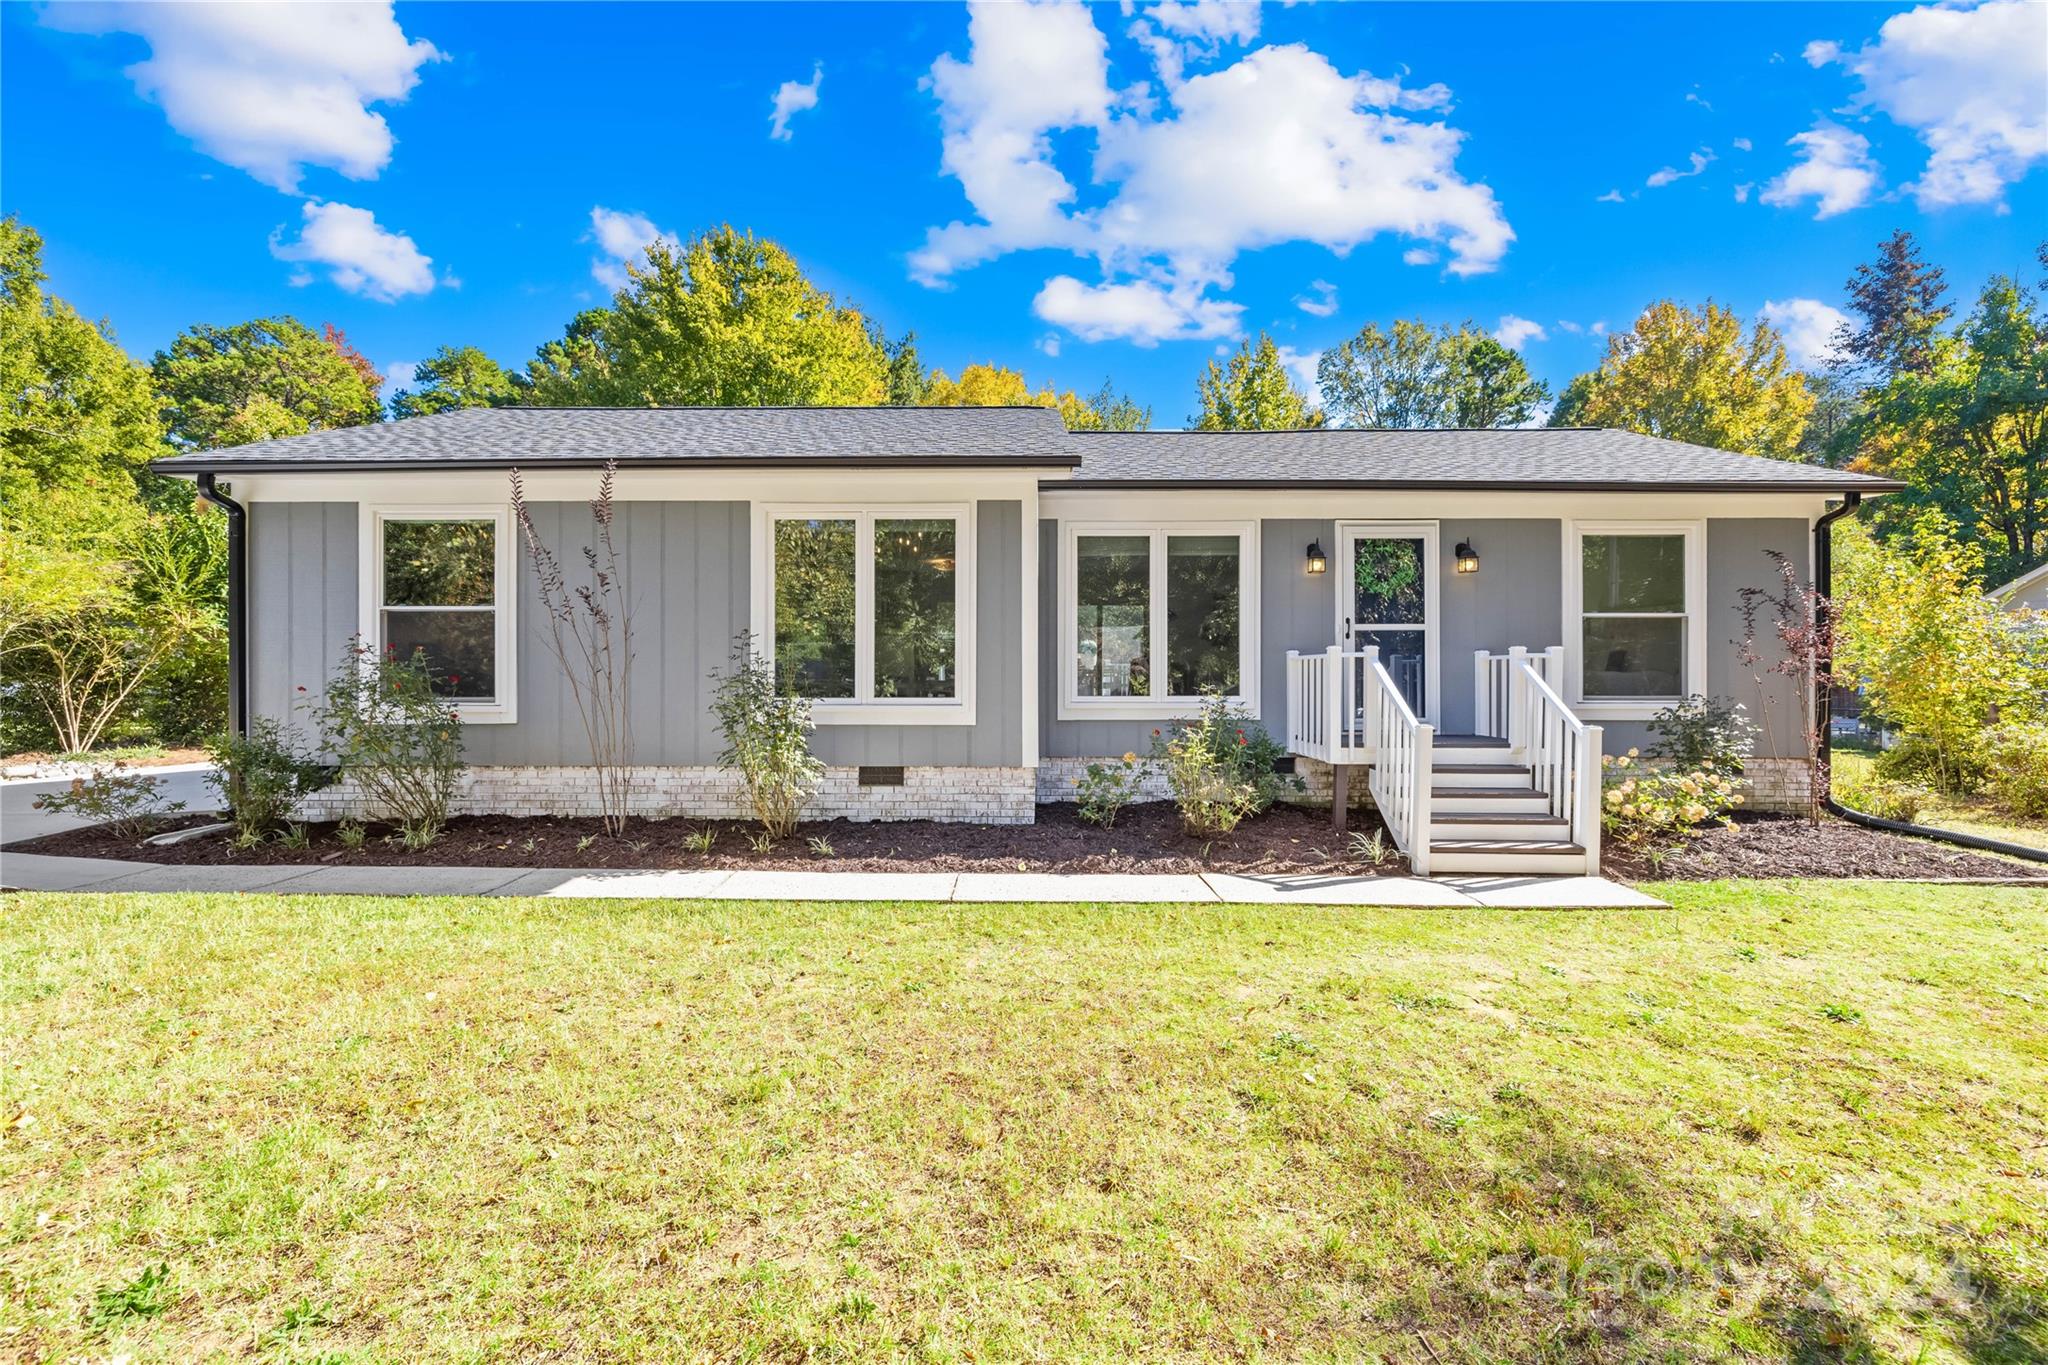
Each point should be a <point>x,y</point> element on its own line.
<point>1865,485</point>
<point>191,465</point>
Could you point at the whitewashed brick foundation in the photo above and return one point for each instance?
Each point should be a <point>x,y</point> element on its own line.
<point>1776,784</point>
<point>1056,778</point>
<point>986,796</point>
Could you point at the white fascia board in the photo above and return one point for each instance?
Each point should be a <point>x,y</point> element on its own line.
<point>1078,502</point>
<point>643,485</point>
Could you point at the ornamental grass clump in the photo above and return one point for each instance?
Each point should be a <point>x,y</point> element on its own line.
<point>767,737</point>
<point>396,738</point>
<point>1647,804</point>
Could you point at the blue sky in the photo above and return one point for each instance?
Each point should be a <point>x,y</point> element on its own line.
<point>1135,187</point>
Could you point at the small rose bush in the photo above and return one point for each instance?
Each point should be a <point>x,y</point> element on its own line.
<point>1106,788</point>
<point>1219,767</point>
<point>127,802</point>
<point>1645,803</point>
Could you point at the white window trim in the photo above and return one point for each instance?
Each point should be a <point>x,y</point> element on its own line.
<point>865,708</point>
<point>1430,534</point>
<point>1633,708</point>
<point>1074,706</point>
<point>370,521</point>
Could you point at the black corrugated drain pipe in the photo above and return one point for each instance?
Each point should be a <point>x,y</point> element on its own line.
<point>1824,582</point>
<point>238,603</point>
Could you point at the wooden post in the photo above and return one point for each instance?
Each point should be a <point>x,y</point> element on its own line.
<point>1340,796</point>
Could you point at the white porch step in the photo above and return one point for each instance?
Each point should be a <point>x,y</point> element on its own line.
<point>1506,856</point>
<point>1522,799</point>
<point>1443,774</point>
<point>1535,826</point>
<point>1468,749</point>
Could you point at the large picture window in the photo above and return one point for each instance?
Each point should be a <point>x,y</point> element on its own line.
<point>1154,617</point>
<point>1636,592</point>
<point>437,586</point>
<point>869,609</point>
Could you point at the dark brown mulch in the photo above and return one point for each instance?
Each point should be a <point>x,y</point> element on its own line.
<point>1789,846</point>
<point>1147,838</point>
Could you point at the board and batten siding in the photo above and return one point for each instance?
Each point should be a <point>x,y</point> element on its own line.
<point>687,565</point>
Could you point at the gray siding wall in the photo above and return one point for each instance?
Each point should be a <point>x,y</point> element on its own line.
<point>1516,598</point>
<point>689,568</point>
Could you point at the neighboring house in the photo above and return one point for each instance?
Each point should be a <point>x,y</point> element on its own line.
<point>2026,596</point>
<point>980,601</point>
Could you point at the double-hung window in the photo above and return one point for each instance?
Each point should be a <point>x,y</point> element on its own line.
<point>869,612</point>
<point>439,583</point>
<point>1155,616</point>
<point>1635,599</point>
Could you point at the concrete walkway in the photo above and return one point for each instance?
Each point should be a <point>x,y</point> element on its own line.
<point>19,818</point>
<point>38,872</point>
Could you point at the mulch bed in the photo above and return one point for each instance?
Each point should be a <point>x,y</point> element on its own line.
<point>1790,846</point>
<point>1147,838</point>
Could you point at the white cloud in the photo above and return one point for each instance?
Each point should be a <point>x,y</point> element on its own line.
<point>1836,170</point>
<point>1698,161</point>
<point>1970,82</point>
<point>792,98</point>
<point>1176,32</point>
<point>271,89</point>
<point>1302,366</point>
<point>1418,255</point>
<point>360,256</point>
<point>1515,333</point>
<point>1320,301</point>
<point>1144,312</point>
<point>1743,144</point>
<point>1808,326</point>
<point>1049,344</point>
<point>1598,329</point>
<point>623,239</point>
<point>1742,190</point>
<point>1611,197</point>
<point>398,374</point>
<point>1278,146</point>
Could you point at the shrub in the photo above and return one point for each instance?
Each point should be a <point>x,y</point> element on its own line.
<point>263,775</point>
<point>394,737</point>
<point>1703,733</point>
<point>767,737</point>
<point>1873,795</point>
<point>1209,782</point>
<point>2019,769</point>
<point>1106,788</point>
<point>1959,767</point>
<point>126,802</point>
<point>1643,804</point>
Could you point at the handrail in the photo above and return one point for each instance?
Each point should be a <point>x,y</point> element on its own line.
<point>1402,747</point>
<point>1562,753</point>
<point>1496,681</point>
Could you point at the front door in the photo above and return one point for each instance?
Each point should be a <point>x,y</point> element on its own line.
<point>1388,597</point>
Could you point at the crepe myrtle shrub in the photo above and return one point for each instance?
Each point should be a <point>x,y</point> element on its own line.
<point>1648,804</point>
<point>394,736</point>
<point>767,738</point>
<point>590,633</point>
<point>115,795</point>
<point>1105,788</point>
<point>263,775</point>
<point>1788,632</point>
<point>1704,733</point>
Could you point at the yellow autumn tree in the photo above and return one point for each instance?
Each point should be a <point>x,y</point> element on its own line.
<point>1699,377</point>
<point>996,386</point>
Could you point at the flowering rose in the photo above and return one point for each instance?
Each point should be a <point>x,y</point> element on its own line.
<point>1130,757</point>
<point>1614,797</point>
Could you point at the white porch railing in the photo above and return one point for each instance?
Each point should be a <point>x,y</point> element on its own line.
<point>1403,761</point>
<point>1326,717</point>
<point>1496,688</point>
<point>1562,753</point>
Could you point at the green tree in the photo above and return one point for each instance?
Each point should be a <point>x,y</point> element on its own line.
<point>1570,410</point>
<point>79,412</point>
<point>1412,375</point>
<point>1113,411</point>
<point>727,320</point>
<point>1698,377</point>
<point>1897,301</point>
<point>456,377</point>
<point>1253,393</point>
<point>905,385</point>
<point>258,380</point>
<point>1969,432</point>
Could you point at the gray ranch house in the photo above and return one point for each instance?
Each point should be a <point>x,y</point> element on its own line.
<point>980,601</point>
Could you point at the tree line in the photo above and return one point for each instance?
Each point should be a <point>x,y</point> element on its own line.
<point>111,581</point>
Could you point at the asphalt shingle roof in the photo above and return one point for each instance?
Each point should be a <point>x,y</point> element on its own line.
<point>1575,457</point>
<point>494,438</point>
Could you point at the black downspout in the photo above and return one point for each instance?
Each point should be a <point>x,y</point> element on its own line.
<point>1824,583</point>
<point>238,603</point>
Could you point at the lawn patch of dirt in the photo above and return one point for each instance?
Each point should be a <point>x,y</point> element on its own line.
<point>1789,846</point>
<point>1147,838</point>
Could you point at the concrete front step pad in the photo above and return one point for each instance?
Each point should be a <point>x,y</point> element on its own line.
<point>1505,855</point>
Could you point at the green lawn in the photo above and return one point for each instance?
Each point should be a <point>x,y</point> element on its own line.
<point>1795,1119</point>
<point>1964,814</point>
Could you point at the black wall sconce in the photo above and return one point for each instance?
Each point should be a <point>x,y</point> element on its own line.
<point>1318,562</point>
<point>1468,558</point>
